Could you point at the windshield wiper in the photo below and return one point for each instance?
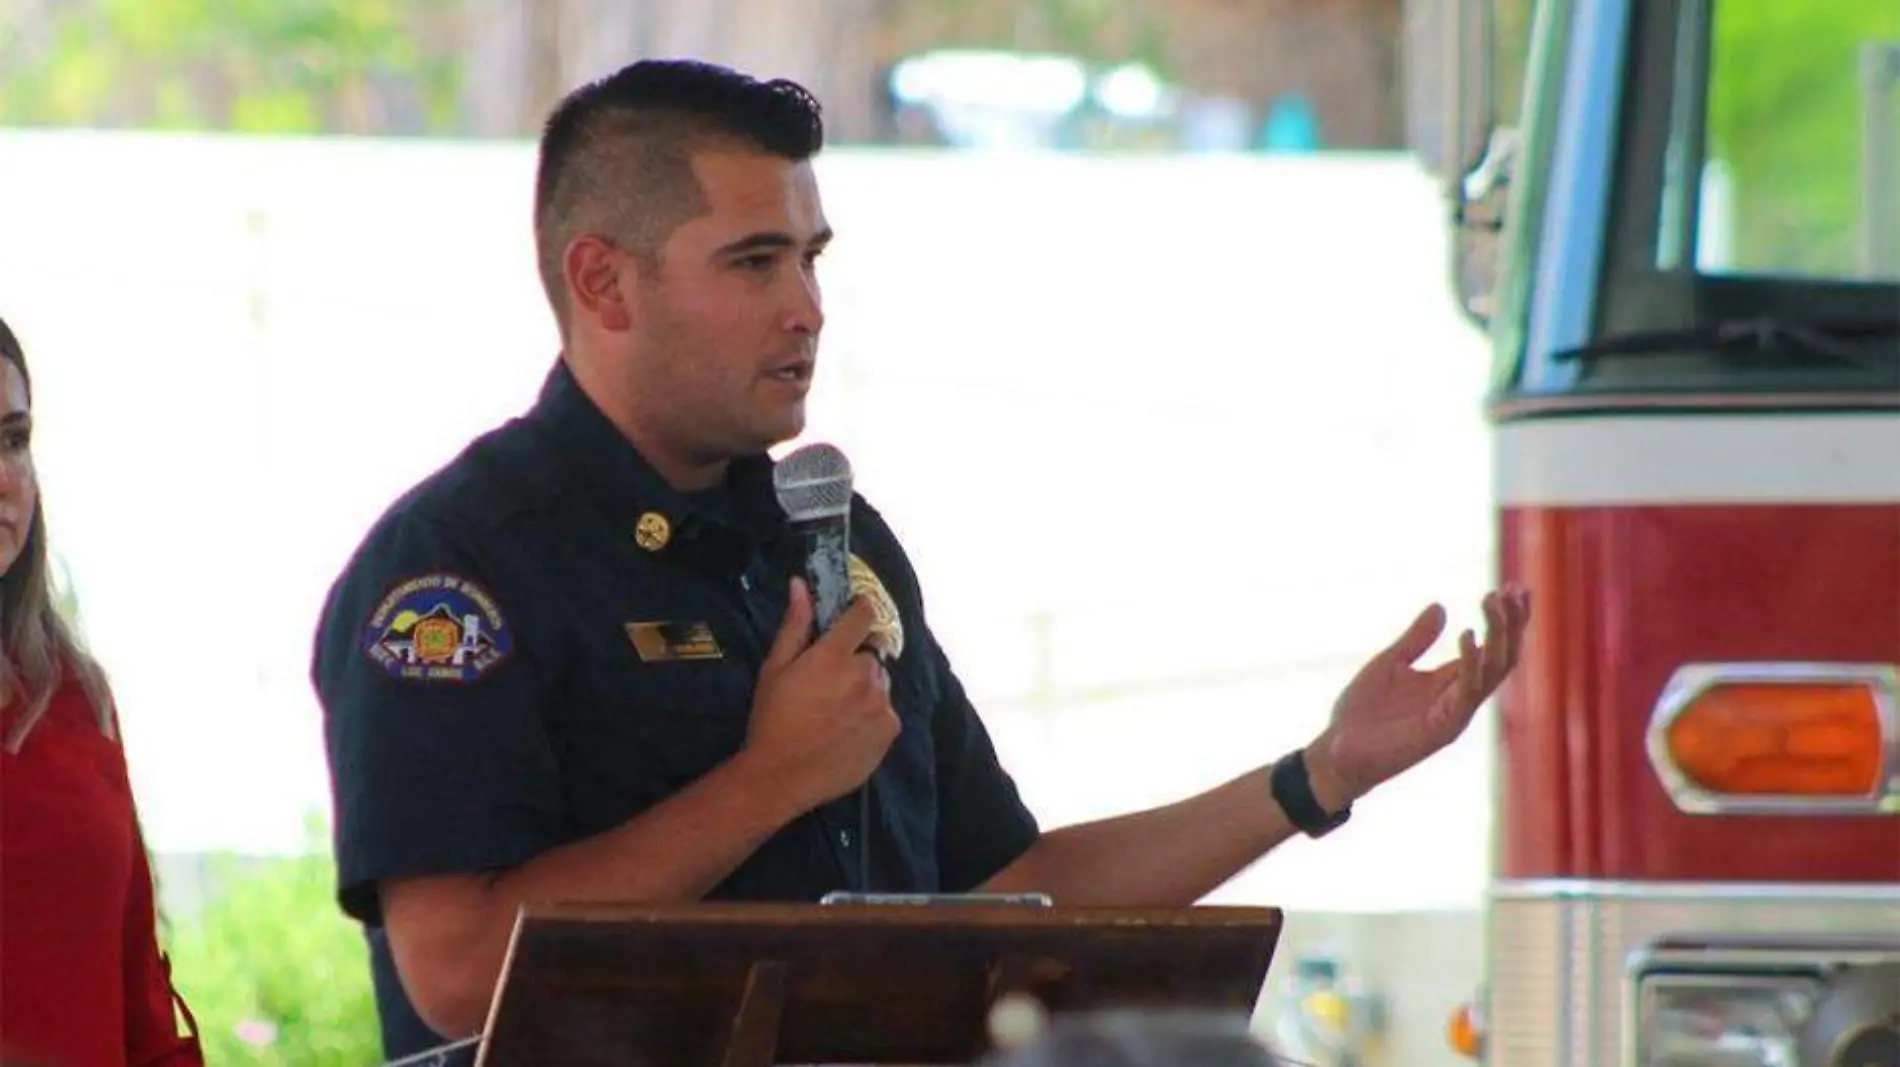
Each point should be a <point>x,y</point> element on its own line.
<point>1851,343</point>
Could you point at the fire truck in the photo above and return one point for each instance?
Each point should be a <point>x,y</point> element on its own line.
<point>1683,243</point>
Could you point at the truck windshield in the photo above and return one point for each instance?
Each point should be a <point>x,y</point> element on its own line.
<point>1715,188</point>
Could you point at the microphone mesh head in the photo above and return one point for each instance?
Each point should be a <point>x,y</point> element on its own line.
<point>813,483</point>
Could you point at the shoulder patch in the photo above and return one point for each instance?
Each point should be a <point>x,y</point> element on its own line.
<point>437,628</point>
<point>887,630</point>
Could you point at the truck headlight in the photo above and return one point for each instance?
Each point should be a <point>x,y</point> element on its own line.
<point>1708,1020</point>
<point>1826,1016</point>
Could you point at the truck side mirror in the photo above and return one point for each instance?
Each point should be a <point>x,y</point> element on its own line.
<point>1449,103</point>
<point>1451,125</point>
<point>1477,230</point>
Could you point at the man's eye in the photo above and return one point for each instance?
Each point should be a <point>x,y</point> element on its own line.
<point>16,440</point>
<point>759,262</point>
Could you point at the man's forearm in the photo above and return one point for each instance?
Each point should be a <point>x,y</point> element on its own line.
<point>450,934</point>
<point>1168,856</point>
<point>676,851</point>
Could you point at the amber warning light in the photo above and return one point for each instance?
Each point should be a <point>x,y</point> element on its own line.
<point>1761,738</point>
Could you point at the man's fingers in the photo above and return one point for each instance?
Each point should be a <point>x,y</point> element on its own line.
<point>880,679</point>
<point>1519,602</point>
<point>1515,603</point>
<point>848,634</point>
<point>1481,668</point>
<point>1498,640</point>
<point>1445,673</point>
<point>795,631</point>
<point>1419,636</point>
<point>1471,667</point>
<point>1513,613</point>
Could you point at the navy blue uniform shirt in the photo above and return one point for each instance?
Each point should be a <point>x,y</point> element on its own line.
<point>544,639</point>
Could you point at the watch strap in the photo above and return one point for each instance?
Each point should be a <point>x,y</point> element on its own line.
<point>1293,791</point>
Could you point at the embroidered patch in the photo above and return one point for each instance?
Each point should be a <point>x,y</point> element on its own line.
<point>437,628</point>
<point>663,642</point>
<point>887,630</point>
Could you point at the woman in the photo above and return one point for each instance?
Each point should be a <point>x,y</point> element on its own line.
<point>82,981</point>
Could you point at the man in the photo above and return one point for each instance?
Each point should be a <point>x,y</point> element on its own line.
<point>573,665</point>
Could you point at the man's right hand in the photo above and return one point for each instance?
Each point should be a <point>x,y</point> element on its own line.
<point>821,717</point>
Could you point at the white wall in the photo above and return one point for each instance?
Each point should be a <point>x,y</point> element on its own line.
<point>1175,443</point>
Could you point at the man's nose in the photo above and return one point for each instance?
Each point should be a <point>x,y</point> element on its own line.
<point>805,312</point>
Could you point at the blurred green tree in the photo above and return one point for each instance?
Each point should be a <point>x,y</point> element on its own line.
<point>311,66</point>
<point>274,973</point>
<point>259,66</point>
<point>1785,122</point>
<point>493,67</point>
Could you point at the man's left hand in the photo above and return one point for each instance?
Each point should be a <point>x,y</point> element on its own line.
<point>1392,715</point>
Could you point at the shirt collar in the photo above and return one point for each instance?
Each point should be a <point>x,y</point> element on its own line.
<point>661,517</point>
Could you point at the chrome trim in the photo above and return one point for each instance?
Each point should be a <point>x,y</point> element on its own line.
<point>1694,679</point>
<point>1865,996</point>
<point>1806,963</point>
<point>1725,959</point>
<point>1873,401</point>
<point>1558,985</point>
<point>1568,258</point>
<point>1696,892</point>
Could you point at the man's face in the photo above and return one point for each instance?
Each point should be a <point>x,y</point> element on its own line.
<point>725,335</point>
<point>19,490</point>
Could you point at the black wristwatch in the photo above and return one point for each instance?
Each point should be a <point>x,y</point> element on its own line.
<point>1293,791</point>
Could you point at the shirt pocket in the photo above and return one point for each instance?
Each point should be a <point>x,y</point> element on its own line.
<point>640,729</point>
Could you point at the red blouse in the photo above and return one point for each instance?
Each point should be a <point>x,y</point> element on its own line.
<point>82,982</point>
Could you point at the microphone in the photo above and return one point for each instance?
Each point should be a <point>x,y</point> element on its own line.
<point>814,487</point>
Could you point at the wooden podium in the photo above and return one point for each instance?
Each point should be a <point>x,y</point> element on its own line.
<point>739,985</point>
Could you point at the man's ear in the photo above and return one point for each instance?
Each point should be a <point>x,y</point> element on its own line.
<point>598,279</point>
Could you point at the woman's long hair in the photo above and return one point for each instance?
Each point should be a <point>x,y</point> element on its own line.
<point>40,648</point>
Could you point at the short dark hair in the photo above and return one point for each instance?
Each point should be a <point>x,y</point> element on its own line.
<point>616,154</point>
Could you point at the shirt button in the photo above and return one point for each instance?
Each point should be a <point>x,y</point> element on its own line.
<point>844,838</point>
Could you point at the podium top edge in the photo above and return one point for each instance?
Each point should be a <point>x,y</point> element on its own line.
<point>725,913</point>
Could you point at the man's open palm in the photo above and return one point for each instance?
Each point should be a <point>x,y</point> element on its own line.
<point>1392,715</point>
